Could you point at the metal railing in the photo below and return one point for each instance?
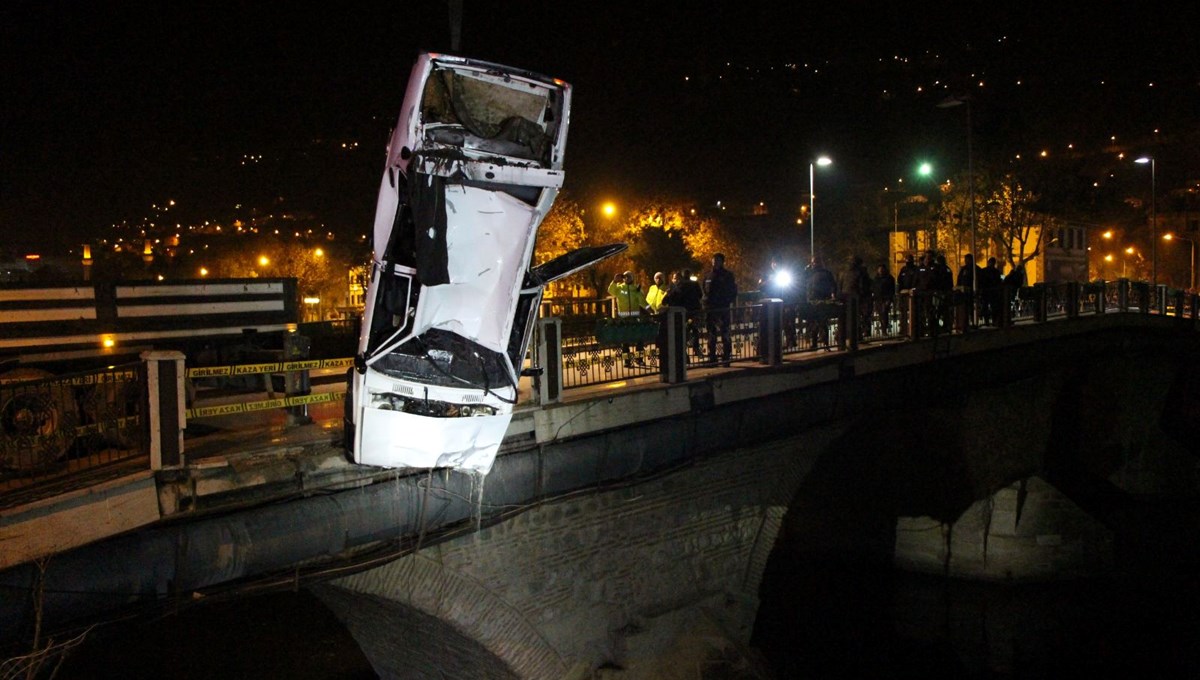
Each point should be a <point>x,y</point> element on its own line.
<point>591,357</point>
<point>54,426</point>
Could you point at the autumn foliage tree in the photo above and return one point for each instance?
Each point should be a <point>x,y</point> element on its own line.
<point>1007,221</point>
<point>662,235</point>
<point>561,231</point>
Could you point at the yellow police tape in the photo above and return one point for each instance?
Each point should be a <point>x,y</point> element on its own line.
<point>276,367</point>
<point>249,406</point>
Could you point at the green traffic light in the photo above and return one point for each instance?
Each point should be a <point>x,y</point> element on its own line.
<point>924,169</point>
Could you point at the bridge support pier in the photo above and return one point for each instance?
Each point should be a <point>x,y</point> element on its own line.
<point>1028,531</point>
<point>645,578</point>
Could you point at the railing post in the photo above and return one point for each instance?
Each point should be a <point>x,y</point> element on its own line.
<point>1072,299</point>
<point>847,337</point>
<point>1178,303</point>
<point>296,383</point>
<point>1194,306</point>
<point>166,414</point>
<point>672,347</point>
<point>1101,297</point>
<point>963,302</point>
<point>1123,295</point>
<point>914,315</point>
<point>1039,302</point>
<point>1002,312</point>
<point>549,351</point>
<point>770,332</point>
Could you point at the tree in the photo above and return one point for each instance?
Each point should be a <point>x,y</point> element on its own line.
<point>680,223</point>
<point>1007,219</point>
<point>316,268</point>
<point>561,231</point>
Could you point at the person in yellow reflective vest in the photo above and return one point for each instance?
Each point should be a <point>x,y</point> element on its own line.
<point>628,302</point>
<point>627,296</point>
<point>658,291</point>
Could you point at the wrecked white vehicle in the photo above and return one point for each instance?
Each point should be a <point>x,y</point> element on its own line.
<point>473,166</point>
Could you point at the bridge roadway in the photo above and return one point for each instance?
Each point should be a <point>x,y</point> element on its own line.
<point>629,524</point>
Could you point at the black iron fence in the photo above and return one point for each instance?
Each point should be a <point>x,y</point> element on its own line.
<point>52,426</point>
<point>600,349</point>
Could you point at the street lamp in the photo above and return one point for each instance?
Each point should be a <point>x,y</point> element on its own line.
<point>1153,222</point>
<point>945,104</point>
<point>812,204</point>
<point>1192,271</point>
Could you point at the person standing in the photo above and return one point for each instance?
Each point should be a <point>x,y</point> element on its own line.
<point>856,282</point>
<point>686,292</point>
<point>720,293</point>
<point>968,273</point>
<point>906,283</point>
<point>658,291</point>
<point>969,280</point>
<point>628,303</point>
<point>990,292</point>
<point>821,289</point>
<point>883,292</point>
<point>943,286</point>
<point>907,278</point>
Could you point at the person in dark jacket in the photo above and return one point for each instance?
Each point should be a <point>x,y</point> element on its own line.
<point>968,280</point>
<point>720,293</point>
<point>686,292</point>
<point>820,284</point>
<point>966,271</point>
<point>991,293</point>
<point>883,292</point>
<point>821,289</point>
<point>907,278</point>
<point>943,284</point>
<point>856,281</point>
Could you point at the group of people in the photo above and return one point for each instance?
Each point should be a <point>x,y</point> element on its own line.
<point>715,298</point>
<point>991,288</point>
<point>876,293</point>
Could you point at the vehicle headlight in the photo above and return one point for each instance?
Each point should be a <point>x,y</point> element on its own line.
<point>478,410</point>
<point>386,401</point>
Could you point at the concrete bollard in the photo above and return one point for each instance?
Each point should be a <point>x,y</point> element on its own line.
<point>166,414</point>
<point>770,332</point>
<point>672,346</point>
<point>549,353</point>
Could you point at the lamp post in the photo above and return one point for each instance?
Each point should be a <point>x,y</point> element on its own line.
<point>1153,222</point>
<point>945,104</point>
<point>1192,271</point>
<point>812,205</point>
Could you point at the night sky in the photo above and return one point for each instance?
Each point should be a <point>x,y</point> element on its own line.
<point>110,108</point>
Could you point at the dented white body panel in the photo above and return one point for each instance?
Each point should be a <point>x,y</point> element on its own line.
<point>473,166</point>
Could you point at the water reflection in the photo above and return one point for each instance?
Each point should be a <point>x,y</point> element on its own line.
<point>849,620</point>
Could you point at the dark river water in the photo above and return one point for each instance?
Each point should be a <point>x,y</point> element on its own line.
<point>822,621</point>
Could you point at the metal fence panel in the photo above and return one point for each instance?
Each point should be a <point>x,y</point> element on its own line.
<point>54,426</point>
